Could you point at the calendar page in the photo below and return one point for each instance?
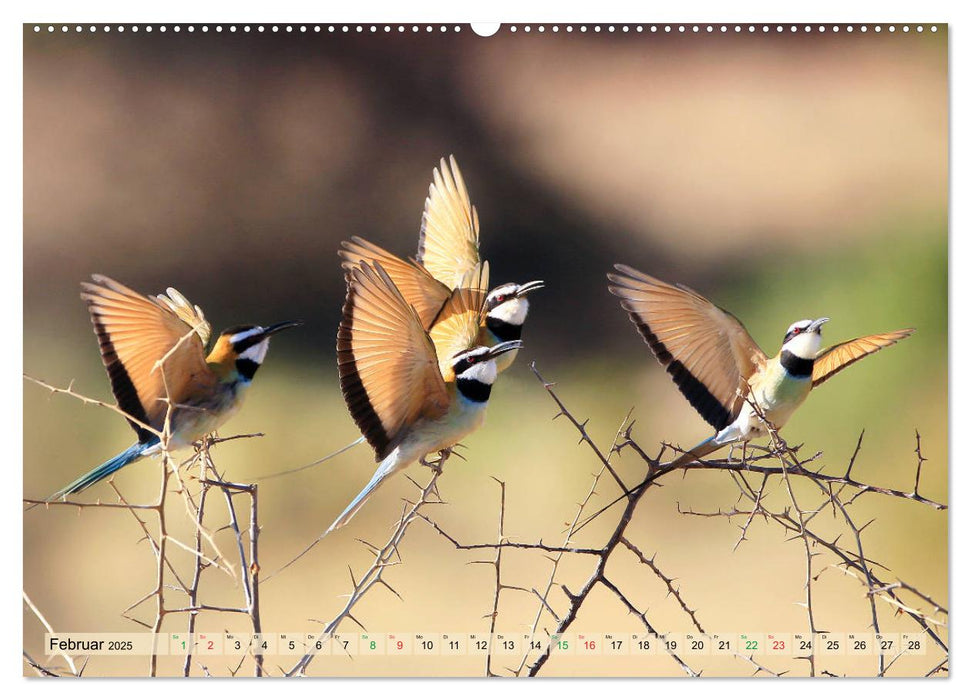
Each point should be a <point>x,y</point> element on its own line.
<point>450,350</point>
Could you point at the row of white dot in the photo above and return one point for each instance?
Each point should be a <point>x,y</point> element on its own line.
<point>666,28</point>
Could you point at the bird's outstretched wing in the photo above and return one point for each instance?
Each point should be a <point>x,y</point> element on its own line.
<point>833,359</point>
<point>457,326</point>
<point>188,312</point>
<point>386,362</point>
<point>152,355</point>
<point>415,283</point>
<point>448,245</point>
<point>705,349</point>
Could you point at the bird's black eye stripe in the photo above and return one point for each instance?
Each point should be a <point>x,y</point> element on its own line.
<point>246,343</point>
<point>462,365</point>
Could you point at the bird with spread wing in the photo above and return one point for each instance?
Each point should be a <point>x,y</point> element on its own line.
<point>153,349</point>
<point>448,249</point>
<point>720,370</point>
<point>412,390</point>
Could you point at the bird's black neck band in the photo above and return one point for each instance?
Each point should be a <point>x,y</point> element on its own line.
<point>247,368</point>
<point>504,330</point>
<point>474,390</point>
<point>795,365</point>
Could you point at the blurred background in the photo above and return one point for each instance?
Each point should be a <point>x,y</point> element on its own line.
<point>782,176</point>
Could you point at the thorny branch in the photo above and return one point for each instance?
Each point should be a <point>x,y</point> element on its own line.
<point>794,519</point>
<point>50,630</point>
<point>168,577</point>
<point>752,500</point>
<point>384,557</point>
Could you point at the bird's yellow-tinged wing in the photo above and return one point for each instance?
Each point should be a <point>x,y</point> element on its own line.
<point>188,312</point>
<point>416,285</point>
<point>456,329</point>
<point>833,359</point>
<point>448,245</point>
<point>704,348</point>
<point>152,354</point>
<point>386,362</point>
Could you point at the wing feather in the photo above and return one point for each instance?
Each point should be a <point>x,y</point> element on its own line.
<point>188,312</point>
<point>456,328</point>
<point>416,285</point>
<point>386,361</point>
<point>838,357</point>
<point>135,332</point>
<point>448,245</point>
<point>704,348</point>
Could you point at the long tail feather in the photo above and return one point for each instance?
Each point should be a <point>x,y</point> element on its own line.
<point>136,451</point>
<point>341,451</point>
<point>697,452</point>
<point>388,467</point>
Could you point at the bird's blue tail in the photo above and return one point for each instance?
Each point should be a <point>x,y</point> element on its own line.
<point>136,451</point>
<point>389,466</point>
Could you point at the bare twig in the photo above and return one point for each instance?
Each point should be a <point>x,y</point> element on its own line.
<point>385,557</point>
<point>50,630</point>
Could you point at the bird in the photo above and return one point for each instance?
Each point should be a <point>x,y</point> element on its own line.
<point>153,350</point>
<point>448,249</point>
<point>412,391</point>
<point>721,370</point>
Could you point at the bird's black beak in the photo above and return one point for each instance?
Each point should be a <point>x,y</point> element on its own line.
<point>277,327</point>
<point>502,348</point>
<point>525,289</point>
<point>817,324</point>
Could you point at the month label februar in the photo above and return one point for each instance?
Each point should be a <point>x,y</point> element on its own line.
<point>99,644</point>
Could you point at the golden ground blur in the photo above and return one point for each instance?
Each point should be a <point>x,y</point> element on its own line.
<point>781,177</point>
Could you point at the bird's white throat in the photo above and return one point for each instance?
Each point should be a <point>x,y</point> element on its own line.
<point>257,352</point>
<point>484,372</point>
<point>804,345</point>
<point>512,312</point>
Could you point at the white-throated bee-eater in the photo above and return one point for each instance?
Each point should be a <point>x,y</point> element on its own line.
<point>448,249</point>
<point>719,368</point>
<point>412,391</point>
<point>154,351</point>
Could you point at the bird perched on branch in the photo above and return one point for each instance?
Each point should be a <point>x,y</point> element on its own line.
<point>412,391</point>
<point>448,249</point>
<point>719,368</point>
<point>153,350</point>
